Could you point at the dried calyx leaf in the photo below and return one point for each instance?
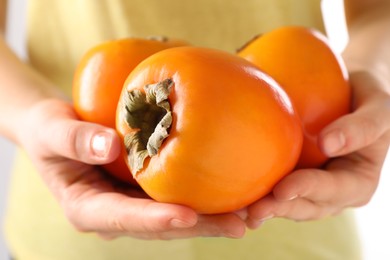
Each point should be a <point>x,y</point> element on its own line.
<point>150,112</point>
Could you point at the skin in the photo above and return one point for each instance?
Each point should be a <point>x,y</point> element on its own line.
<point>358,142</point>
<point>92,203</point>
<point>3,8</point>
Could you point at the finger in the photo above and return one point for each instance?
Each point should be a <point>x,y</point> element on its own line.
<point>54,127</point>
<point>221,225</point>
<point>313,184</point>
<point>298,209</point>
<point>116,213</point>
<point>81,141</point>
<point>242,213</point>
<point>341,188</point>
<point>355,131</point>
<point>362,127</point>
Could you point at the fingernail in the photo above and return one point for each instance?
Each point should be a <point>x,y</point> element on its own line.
<point>179,223</point>
<point>101,144</point>
<point>242,214</point>
<point>333,142</point>
<point>233,235</point>
<point>293,197</point>
<point>257,223</point>
<point>266,218</point>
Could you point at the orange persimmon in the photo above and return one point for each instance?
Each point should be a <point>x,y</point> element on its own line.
<point>99,78</point>
<point>206,129</point>
<point>313,75</point>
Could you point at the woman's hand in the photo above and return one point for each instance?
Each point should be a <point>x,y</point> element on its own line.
<point>358,143</point>
<point>64,151</point>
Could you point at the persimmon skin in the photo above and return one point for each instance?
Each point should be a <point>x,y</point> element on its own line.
<point>313,75</point>
<point>99,78</point>
<point>234,133</point>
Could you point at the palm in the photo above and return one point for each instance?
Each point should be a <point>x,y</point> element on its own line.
<point>92,200</point>
<point>351,177</point>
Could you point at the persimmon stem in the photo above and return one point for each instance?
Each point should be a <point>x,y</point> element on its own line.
<point>149,112</point>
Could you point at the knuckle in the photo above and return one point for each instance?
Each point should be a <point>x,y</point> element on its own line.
<point>72,212</point>
<point>362,202</point>
<point>373,127</point>
<point>324,212</point>
<point>71,142</point>
<point>318,215</point>
<point>74,221</point>
<point>367,129</point>
<point>365,195</point>
<point>155,222</point>
<point>115,223</point>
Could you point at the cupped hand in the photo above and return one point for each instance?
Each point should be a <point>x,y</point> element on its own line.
<point>357,143</point>
<point>65,150</point>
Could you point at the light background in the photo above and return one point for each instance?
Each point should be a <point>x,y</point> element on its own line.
<point>373,219</point>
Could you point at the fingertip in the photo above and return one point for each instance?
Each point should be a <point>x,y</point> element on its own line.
<point>256,223</point>
<point>299,184</point>
<point>353,131</point>
<point>105,146</point>
<point>332,142</point>
<point>184,217</point>
<point>286,196</point>
<point>173,216</point>
<point>242,213</point>
<point>183,222</point>
<point>287,189</point>
<point>262,208</point>
<point>237,229</point>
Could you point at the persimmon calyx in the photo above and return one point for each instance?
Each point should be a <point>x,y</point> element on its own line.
<point>149,112</point>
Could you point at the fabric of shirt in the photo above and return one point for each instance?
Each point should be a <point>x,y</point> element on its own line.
<point>59,33</point>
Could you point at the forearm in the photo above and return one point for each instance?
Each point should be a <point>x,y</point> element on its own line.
<point>20,88</point>
<point>369,45</point>
<point>3,16</point>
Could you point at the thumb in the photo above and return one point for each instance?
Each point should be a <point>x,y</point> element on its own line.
<point>356,130</point>
<point>86,142</point>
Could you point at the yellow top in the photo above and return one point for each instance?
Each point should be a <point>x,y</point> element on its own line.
<point>59,32</point>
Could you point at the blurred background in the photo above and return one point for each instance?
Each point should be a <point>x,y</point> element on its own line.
<point>373,219</point>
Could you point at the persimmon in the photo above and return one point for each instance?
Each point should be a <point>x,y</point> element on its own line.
<point>206,129</point>
<point>314,76</point>
<point>99,78</point>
